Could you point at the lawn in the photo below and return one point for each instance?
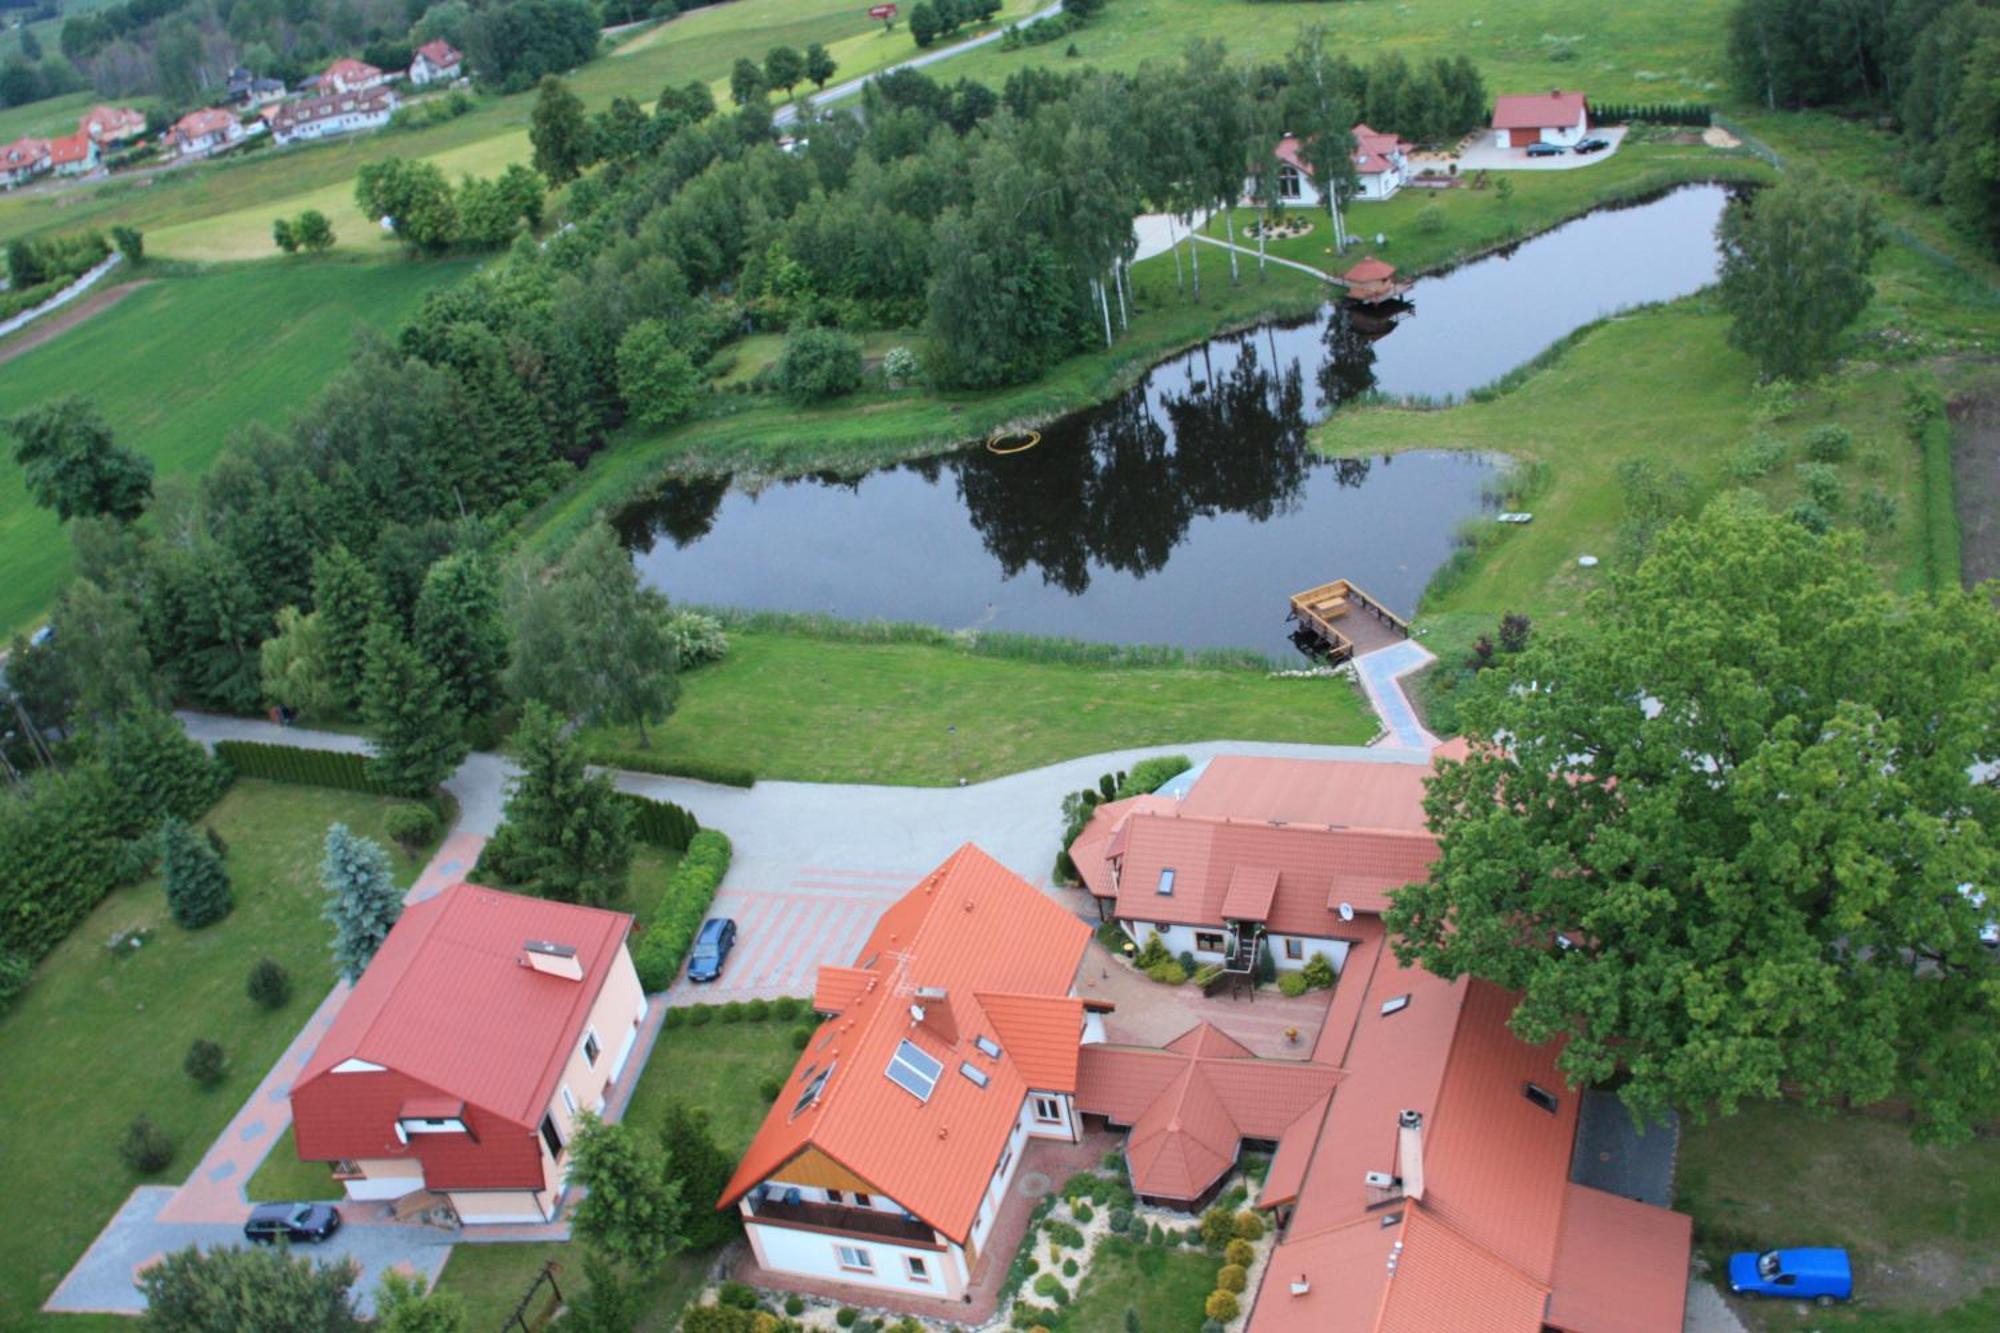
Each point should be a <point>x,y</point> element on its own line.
<point>1649,50</point>
<point>1918,1221</point>
<point>98,1039</point>
<point>1165,1287</point>
<point>717,1067</point>
<point>181,363</point>
<point>811,710</point>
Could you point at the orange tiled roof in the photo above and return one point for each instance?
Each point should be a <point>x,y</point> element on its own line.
<point>1372,149</point>
<point>971,928</point>
<point>1344,793</point>
<point>1535,111</point>
<point>1288,1164</point>
<point>839,987</point>
<point>71,148</point>
<point>1041,1032</point>
<point>1619,1265</point>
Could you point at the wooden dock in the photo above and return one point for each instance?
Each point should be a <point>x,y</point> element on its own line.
<point>1328,615</point>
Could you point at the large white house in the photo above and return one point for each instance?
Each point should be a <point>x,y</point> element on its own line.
<point>209,130</point>
<point>331,114</point>
<point>435,62</point>
<point>1381,167</point>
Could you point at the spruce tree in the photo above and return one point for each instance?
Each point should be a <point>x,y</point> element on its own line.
<point>197,886</point>
<point>566,835</point>
<point>348,600</point>
<point>362,901</point>
<point>702,1170</point>
<point>415,726</point>
<point>458,630</point>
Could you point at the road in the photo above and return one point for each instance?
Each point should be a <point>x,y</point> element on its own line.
<point>789,112</point>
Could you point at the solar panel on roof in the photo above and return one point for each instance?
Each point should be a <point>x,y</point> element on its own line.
<point>913,1070</point>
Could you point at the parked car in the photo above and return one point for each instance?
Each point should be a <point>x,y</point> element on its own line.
<point>1546,150</point>
<point>1593,145</point>
<point>294,1222</point>
<point>711,948</point>
<point>1822,1275</point>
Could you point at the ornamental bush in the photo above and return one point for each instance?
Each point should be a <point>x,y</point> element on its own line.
<point>1828,443</point>
<point>1249,1226</point>
<point>1168,973</point>
<point>197,886</point>
<point>787,1007</point>
<point>1217,1226</point>
<point>1239,1252</point>
<point>1120,1220</point>
<point>1318,972</point>
<point>1063,1234</point>
<point>800,1036</point>
<point>1221,1305</point>
<point>1048,1285</point>
<point>846,1315</point>
<point>270,986</point>
<point>204,1063</point>
<point>696,639</point>
<point>412,826</point>
<point>699,1014</point>
<point>146,1147</point>
<point>770,1088</point>
<point>795,1305</point>
<point>1232,1278</point>
<point>819,364</point>
<point>756,1011</point>
<point>1293,984</point>
<point>738,1294</point>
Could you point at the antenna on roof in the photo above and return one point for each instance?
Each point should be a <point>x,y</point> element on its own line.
<point>904,986</point>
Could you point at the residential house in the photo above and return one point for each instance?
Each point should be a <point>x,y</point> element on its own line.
<point>331,114</point>
<point>1381,166</point>
<point>435,62</point>
<point>112,125</point>
<point>23,160</point>
<point>951,1042</point>
<point>73,154</point>
<point>1520,119</point>
<point>348,75</point>
<point>487,1023</point>
<point>201,133</point>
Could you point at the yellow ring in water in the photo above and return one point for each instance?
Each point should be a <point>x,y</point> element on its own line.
<point>1028,440</point>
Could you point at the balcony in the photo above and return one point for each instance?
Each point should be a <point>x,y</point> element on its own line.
<point>783,1207</point>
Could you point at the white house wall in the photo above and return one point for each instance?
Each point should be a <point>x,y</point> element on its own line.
<point>813,1254</point>
<point>1180,939</point>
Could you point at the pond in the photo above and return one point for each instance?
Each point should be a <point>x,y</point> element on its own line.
<point>1186,510</point>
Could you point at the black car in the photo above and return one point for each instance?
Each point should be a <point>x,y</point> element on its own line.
<point>1546,150</point>
<point>711,948</point>
<point>1593,145</point>
<point>292,1221</point>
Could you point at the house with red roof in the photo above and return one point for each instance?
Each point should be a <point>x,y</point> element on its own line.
<point>435,62</point>
<point>73,154</point>
<point>112,125</point>
<point>348,75</point>
<point>23,160</point>
<point>1520,119</point>
<point>204,132</point>
<point>486,1024</point>
<point>1381,167</point>
<point>330,114</point>
<point>951,1041</point>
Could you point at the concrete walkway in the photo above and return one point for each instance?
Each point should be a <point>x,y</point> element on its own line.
<point>1382,673</point>
<point>1319,273</point>
<point>1480,153</point>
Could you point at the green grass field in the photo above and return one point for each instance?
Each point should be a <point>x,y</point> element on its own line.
<point>97,1039</point>
<point>1164,1287</point>
<point>181,363</point>
<point>807,709</point>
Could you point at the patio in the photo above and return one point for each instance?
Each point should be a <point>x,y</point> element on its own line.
<point>1149,1014</point>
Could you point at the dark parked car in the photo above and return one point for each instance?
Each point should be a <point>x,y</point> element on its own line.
<point>1546,150</point>
<point>292,1221</point>
<point>1822,1275</point>
<point>711,948</point>
<point>1593,145</point>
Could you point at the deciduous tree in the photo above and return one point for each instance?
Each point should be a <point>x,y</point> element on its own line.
<point>74,466</point>
<point>296,665</point>
<point>783,68</point>
<point>655,377</point>
<point>820,66</point>
<point>242,1287</point>
<point>631,1211</point>
<point>362,900</point>
<point>1795,261</point>
<point>559,132</point>
<point>746,81</point>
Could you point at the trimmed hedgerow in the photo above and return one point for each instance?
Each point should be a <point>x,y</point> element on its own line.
<point>690,889</point>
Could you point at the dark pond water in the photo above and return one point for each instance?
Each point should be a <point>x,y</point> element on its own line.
<point>1186,510</point>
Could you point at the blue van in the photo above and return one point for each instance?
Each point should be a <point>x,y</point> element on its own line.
<point>711,947</point>
<point>1808,1275</point>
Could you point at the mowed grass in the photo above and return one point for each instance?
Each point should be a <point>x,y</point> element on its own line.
<point>1918,1221</point>
<point>718,1067</point>
<point>181,363</point>
<point>1646,50</point>
<point>1165,1287</point>
<point>810,710</point>
<point>98,1039</point>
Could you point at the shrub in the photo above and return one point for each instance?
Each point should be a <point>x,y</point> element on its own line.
<point>1221,1304</point>
<point>413,826</point>
<point>1810,516</point>
<point>696,639</point>
<point>756,1011</point>
<point>1149,775</point>
<point>1157,1235</point>
<point>1069,1268</point>
<point>1120,1220</point>
<point>1063,1234</point>
<point>818,364</point>
<point>197,886</point>
<point>1153,952</point>
<point>1822,485</point>
<point>308,768</point>
<point>1211,1326</point>
<point>1293,984</point>
<point>1083,1211</point>
<point>1249,1226</point>
<point>800,1036</point>
<point>690,889</point>
<point>146,1147</point>
<point>770,1088</point>
<point>1232,1278</point>
<point>660,823</point>
<point>1048,1285</point>
<point>1217,1226</point>
<point>270,986</point>
<point>731,1011</point>
<point>204,1062</point>
<point>1877,511</point>
<point>14,973</point>
<point>1828,443</point>
<point>899,365</point>
<point>787,1007</point>
<point>674,1018</point>
<point>1030,1264</point>
<point>1318,972</point>
<point>699,1014</point>
<point>1757,457</point>
<point>1430,219</point>
<point>737,1294</point>
<point>1186,959</point>
<point>1169,973</point>
<point>1239,1252</point>
<point>795,1305</point>
<point>846,1315</point>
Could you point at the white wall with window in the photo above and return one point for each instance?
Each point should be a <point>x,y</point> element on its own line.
<point>860,1260</point>
<point>1207,943</point>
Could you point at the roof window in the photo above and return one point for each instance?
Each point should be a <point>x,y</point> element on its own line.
<point>987,1046</point>
<point>975,1073</point>
<point>812,1090</point>
<point>1395,1004</point>
<point>1540,1096</point>
<point>1167,882</point>
<point>914,1070</point>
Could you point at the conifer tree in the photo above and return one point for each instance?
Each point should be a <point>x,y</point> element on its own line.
<point>567,835</point>
<point>197,886</point>
<point>458,630</point>
<point>415,726</point>
<point>348,601</point>
<point>362,901</point>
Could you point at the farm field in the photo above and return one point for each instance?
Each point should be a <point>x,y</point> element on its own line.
<point>182,362</point>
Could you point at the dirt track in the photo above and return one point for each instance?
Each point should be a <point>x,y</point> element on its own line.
<point>65,319</point>
<point>1975,462</point>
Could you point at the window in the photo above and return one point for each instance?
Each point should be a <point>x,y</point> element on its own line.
<point>914,1070</point>
<point>569,1099</point>
<point>987,1046</point>
<point>810,1093</point>
<point>1167,882</point>
<point>973,1072</point>
<point>1395,1004</point>
<point>1288,182</point>
<point>590,1046</point>
<point>862,1200</point>
<point>1005,1158</point>
<point>1295,949</point>
<point>1048,1109</point>
<point>854,1258</point>
<point>1541,1097</point>
<point>1209,942</point>
<point>919,1270</point>
<point>551,1137</point>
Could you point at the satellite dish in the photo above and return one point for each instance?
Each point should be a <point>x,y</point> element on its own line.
<point>1347,911</point>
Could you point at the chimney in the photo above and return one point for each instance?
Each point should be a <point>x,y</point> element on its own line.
<point>933,1012</point>
<point>1410,1152</point>
<point>556,960</point>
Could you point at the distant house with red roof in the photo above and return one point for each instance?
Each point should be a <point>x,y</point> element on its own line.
<point>952,1041</point>
<point>1520,119</point>
<point>73,154</point>
<point>23,160</point>
<point>348,75</point>
<point>111,125</point>
<point>435,62</point>
<point>201,133</point>
<point>1381,167</point>
<point>486,1024</point>
<point>330,114</point>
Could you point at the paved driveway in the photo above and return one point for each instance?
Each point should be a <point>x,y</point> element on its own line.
<point>1484,155</point>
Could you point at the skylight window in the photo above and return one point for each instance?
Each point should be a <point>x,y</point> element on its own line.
<point>1395,1004</point>
<point>974,1072</point>
<point>1541,1097</point>
<point>913,1070</point>
<point>987,1046</point>
<point>1167,882</point>
<point>812,1089</point>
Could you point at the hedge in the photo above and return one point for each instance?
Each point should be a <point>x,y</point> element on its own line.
<point>690,889</point>
<point>311,768</point>
<point>647,761</point>
<point>661,823</point>
<point>1652,113</point>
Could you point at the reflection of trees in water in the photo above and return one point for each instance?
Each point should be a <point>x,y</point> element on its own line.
<point>1349,368</point>
<point>681,510</point>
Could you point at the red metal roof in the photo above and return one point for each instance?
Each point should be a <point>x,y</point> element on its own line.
<point>71,148</point>
<point>449,1011</point>
<point>839,987</point>
<point>1372,150</point>
<point>1537,111</point>
<point>1620,1265</point>
<point>1288,1164</point>
<point>1042,1033</point>
<point>1372,269</point>
<point>972,929</point>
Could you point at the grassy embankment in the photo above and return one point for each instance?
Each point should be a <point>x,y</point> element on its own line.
<point>223,210</point>
<point>98,1038</point>
<point>181,363</point>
